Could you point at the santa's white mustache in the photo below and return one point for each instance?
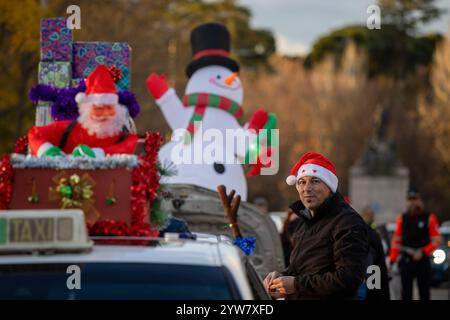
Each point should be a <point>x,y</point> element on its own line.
<point>102,118</point>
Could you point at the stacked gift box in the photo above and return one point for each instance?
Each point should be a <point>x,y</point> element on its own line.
<point>64,62</point>
<point>55,67</point>
<point>88,55</point>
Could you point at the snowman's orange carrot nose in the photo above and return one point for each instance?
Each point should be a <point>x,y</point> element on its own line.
<point>229,80</point>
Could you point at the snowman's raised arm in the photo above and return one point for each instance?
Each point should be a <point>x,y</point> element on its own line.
<point>176,115</point>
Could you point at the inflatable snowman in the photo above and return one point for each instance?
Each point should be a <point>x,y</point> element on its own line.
<point>207,116</point>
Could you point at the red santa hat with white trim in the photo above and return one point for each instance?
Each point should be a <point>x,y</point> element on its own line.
<point>314,164</point>
<point>100,88</point>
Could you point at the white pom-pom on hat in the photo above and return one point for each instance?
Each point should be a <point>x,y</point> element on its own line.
<point>79,98</point>
<point>291,180</point>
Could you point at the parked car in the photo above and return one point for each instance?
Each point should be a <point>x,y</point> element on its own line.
<point>440,260</point>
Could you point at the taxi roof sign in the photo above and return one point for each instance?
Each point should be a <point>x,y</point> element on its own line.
<point>43,230</point>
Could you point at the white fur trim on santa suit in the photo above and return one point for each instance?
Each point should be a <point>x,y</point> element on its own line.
<point>43,148</point>
<point>99,153</point>
<point>97,98</point>
<point>313,170</point>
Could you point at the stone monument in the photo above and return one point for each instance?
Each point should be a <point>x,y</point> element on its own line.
<point>378,179</point>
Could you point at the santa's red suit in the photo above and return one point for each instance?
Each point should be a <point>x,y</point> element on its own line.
<point>54,132</point>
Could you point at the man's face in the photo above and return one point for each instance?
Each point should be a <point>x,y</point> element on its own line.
<point>312,192</point>
<point>102,113</point>
<point>415,204</point>
<point>368,215</point>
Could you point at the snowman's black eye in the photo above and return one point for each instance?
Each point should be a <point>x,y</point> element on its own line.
<point>219,168</point>
<point>218,76</point>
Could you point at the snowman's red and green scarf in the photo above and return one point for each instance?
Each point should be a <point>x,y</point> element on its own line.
<point>201,101</point>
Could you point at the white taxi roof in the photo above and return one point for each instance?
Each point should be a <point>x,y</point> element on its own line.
<point>211,251</point>
<point>178,251</point>
<point>29,237</point>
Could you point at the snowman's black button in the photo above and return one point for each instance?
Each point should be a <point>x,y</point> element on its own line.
<point>219,168</point>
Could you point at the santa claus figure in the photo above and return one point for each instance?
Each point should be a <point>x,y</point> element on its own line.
<point>101,128</point>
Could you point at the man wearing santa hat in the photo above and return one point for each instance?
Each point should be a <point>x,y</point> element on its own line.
<point>330,243</point>
<point>101,128</point>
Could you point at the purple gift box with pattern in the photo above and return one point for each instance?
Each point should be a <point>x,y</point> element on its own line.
<point>88,55</point>
<point>56,40</point>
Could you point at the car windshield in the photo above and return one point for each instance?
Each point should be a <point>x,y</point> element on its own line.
<point>116,281</point>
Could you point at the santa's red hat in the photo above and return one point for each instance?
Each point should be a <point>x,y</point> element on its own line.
<point>100,88</point>
<point>314,164</point>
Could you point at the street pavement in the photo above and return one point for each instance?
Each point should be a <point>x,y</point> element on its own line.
<point>437,293</point>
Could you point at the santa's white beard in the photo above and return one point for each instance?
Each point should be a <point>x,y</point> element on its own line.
<point>102,129</point>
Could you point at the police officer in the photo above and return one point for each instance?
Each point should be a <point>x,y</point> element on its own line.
<point>416,236</point>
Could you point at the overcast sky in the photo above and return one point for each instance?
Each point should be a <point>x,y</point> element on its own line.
<point>298,23</point>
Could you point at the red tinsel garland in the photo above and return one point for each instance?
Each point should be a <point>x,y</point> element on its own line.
<point>6,182</point>
<point>21,145</point>
<point>145,184</point>
<point>109,227</point>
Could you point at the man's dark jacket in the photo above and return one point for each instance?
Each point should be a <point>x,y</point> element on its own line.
<point>329,258</point>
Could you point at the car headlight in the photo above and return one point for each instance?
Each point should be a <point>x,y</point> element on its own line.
<point>439,256</point>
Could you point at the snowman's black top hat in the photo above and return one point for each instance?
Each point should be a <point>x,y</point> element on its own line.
<point>210,44</point>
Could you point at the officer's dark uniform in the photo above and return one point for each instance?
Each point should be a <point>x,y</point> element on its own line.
<point>418,231</point>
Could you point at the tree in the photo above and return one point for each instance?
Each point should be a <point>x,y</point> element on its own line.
<point>394,51</point>
<point>391,52</point>
<point>407,15</point>
<point>19,40</point>
<point>434,107</point>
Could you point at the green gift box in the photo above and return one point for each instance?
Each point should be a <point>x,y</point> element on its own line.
<point>57,73</point>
